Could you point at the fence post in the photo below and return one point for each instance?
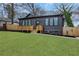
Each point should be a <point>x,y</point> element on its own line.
<point>4,27</point>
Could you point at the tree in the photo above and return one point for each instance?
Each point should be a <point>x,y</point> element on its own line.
<point>1,10</point>
<point>10,10</point>
<point>66,10</point>
<point>32,8</point>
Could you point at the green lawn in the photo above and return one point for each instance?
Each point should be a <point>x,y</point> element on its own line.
<point>17,43</point>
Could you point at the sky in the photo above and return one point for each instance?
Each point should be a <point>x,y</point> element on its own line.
<point>51,6</point>
<point>48,6</point>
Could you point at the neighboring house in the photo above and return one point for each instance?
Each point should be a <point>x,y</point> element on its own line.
<point>6,21</point>
<point>52,24</point>
<point>2,22</point>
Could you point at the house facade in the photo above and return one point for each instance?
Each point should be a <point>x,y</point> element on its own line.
<point>52,24</point>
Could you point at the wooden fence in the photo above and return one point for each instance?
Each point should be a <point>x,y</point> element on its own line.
<point>19,28</point>
<point>71,31</point>
<point>23,28</point>
<point>11,27</point>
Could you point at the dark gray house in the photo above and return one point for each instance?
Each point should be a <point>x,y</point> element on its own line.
<point>52,24</point>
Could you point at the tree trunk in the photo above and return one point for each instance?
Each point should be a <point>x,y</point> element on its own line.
<point>12,13</point>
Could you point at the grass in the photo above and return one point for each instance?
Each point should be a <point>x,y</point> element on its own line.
<point>27,44</point>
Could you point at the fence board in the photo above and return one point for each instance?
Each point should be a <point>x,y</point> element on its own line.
<point>18,28</point>
<point>71,31</point>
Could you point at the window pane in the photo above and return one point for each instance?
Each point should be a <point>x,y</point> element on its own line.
<point>21,22</point>
<point>29,22</point>
<point>51,21</point>
<point>55,21</point>
<point>24,22</point>
<point>46,21</point>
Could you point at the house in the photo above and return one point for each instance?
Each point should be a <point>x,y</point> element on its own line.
<point>4,21</point>
<point>52,24</point>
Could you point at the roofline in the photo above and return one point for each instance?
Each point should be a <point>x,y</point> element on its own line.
<point>7,21</point>
<point>40,16</point>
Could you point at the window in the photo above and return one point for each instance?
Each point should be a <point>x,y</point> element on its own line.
<point>29,22</point>
<point>51,21</point>
<point>25,22</point>
<point>46,21</point>
<point>21,22</point>
<point>55,21</point>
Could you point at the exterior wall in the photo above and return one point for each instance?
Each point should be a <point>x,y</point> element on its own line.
<point>52,29</point>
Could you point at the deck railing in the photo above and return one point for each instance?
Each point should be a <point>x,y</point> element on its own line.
<point>24,28</point>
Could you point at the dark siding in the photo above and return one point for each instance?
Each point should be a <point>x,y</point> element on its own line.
<point>53,29</point>
<point>57,30</point>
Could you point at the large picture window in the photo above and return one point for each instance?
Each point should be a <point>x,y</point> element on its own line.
<point>51,21</point>
<point>29,22</point>
<point>21,22</point>
<point>25,23</point>
<point>55,21</point>
<point>46,21</point>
